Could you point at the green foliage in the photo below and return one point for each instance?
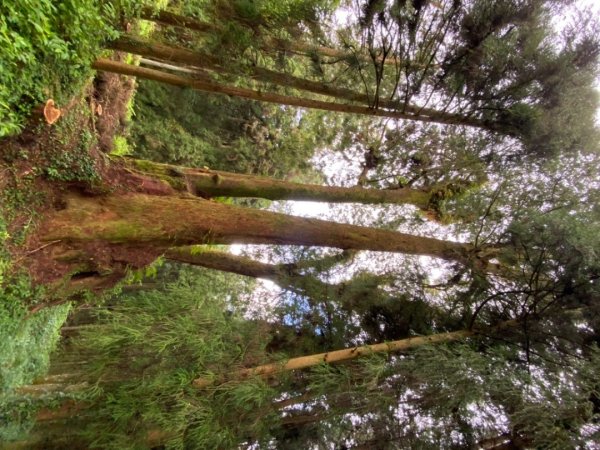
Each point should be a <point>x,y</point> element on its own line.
<point>189,128</point>
<point>16,416</point>
<point>71,159</point>
<point>549,406</point>
<point>269,15</point>
<point>146,350</point>
<point>75,166</point>
<point>450,396</point>
<point>566,122</point>
<point>357,378</point>
<point>46,49</point>
<point>121,147</point>
<point>26,341</point>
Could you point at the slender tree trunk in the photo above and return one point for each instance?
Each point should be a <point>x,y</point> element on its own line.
<point>162,65</point>
<point>301,48</point>
<point>137,46</point>
<point>168,18</point>
<point>285,276</point>
<point>226,262</point>
<point>60,434</point>
<point>215,88</point>
<point>347,354</point>
<point>241,265</point>
<point>66,410</point>
<point>213,183</point>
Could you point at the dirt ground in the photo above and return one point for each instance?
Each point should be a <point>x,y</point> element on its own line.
<point>44,161</point>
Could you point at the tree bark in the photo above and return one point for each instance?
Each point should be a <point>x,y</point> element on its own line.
<point>347,354</point>
<point>137,46</point>
<point>158,222</point>
<point>215,88</point>
<point>227,262</point>
<point>213,183</point>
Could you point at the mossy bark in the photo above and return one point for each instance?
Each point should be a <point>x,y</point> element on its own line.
<point>159,222</point>
<point>95,241</point>
<point>286,276</point>
<point>226,262</point>
<point>212,183</point>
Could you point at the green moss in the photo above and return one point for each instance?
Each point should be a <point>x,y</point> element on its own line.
<point>123,231</point>
<point>160,171</point>
<point>121,147</point>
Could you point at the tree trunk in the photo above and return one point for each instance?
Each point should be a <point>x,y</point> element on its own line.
<point>165,221</point>
<point>213,183</point>
<point>227,262</point>
<point>183,56</point>
<point>347,354</point>
<point>301,48</point>
<point>215,88</point>
<point>96,240</point>
<point>168,18</point>
<point>285,276</point>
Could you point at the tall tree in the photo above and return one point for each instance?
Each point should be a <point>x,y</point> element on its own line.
<point>137,227</point>
<point>213,183</point>
<point>434,44</point>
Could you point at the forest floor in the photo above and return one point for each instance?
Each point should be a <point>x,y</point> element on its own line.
<point>35,166</point>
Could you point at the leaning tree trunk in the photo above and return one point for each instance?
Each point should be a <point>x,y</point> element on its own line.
<point>286,276</point>
<point>347,354</point>
<point>208,183</point>
<point>156,50</point>
<point>159,221</point>
<point>206,85</point>
<point>227,262</point>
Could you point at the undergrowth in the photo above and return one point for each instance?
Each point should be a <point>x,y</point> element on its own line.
<point>27,339</point>
<point>25,342</point>
<point>46,49</point>
<point>154,344</point>
<point>70,158</point>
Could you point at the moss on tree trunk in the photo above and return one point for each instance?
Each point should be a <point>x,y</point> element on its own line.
<point>165,221</point>
<point>213,183</point>
<point>96,240</point>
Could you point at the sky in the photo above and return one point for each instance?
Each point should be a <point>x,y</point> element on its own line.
<point>335,166</point>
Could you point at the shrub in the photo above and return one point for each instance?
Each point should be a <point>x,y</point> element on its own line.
<point>46,49</point>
